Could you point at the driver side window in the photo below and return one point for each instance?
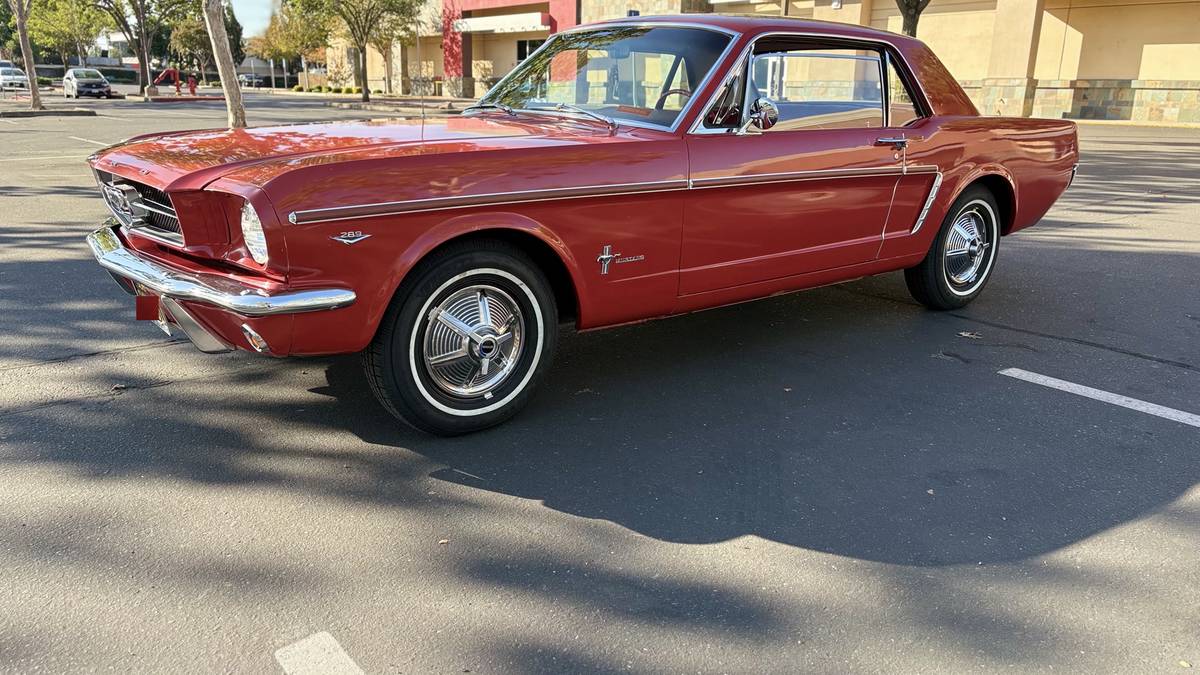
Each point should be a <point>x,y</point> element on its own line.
<point>820,88</point>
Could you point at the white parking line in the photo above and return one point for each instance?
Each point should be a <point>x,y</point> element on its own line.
<point>39,159</point>
<point>1107,397</point>
<point>88,140</point>
<point>318,654</point>
<point>9,122</point>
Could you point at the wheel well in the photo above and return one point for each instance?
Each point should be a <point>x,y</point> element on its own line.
<point>1005,199</point>
<point>546,258</point>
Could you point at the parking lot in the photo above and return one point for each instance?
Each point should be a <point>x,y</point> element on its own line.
<point>832,481</point>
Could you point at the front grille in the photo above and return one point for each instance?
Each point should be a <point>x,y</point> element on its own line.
<point>141,207</point>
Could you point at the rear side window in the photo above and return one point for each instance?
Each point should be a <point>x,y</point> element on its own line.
<point>901,108</point>
<point>820,88</point>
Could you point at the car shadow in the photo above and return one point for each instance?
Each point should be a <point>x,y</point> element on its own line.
<point>824,420</point>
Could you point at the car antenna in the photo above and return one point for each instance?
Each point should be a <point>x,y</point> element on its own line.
<point>420,74</point>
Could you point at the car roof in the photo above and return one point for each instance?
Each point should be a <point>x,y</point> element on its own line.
<point>756,24</point>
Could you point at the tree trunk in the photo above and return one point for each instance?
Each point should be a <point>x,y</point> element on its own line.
<point>22,12</point>
<point>405,81</point>
<point>362,60</point>
<point>214,20</point>
<point>387,70</point>
<point>910,22</point>
<point>144,57</point>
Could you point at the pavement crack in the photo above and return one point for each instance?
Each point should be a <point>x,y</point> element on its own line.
<point>1028,331</point>
<point>113,394</point>
<point>1080,341</point>
<point>87,355</point>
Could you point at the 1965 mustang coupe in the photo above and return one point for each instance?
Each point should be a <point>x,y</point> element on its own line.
<point>626,170</point>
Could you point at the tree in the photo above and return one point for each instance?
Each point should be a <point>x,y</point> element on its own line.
<point>20,10</point>
<point>361,19</point>
<point>66,27</point>
<point>9,45</point>
<point>392,29</point>
<point>214,18</point>
<point>189,41</point>
<point>141,22</point>
<point>911,11</point>
<point>291,34</point>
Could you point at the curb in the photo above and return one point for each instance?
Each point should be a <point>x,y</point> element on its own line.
<point>1138,123</point>
<point>171,99</point>
<point>50,112</point>
<point>413,110</point>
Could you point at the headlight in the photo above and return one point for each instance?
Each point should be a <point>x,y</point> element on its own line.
<point>252,234</point>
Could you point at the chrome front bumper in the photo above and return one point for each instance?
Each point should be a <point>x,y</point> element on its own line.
<point>212,289</point>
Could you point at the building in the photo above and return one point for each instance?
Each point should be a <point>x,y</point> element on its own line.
<point>1103,59</point>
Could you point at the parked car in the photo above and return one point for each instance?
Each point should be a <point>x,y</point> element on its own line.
<point>251,80</point>
<point>13,79</point>
<point>85,82</point>
<point>624,171</point>
<point>4,63</point>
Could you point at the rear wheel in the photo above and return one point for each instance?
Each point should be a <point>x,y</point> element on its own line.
<point>960,260</point>
<point>466,340</point>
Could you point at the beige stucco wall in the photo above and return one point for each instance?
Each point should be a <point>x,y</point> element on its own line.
<point>1119,39</point>
<point>494,54</point>
<point>959,32</point>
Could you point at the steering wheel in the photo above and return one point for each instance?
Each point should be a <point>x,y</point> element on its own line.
<point>687,93</point>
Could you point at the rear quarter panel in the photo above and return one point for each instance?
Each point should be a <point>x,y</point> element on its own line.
<point>1034,157</point>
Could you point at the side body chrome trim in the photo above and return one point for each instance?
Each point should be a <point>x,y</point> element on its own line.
<point>733,39</point>
<point>486,199</point>
<point>211,289</point>
<point>793,176</point>
<point>933,192</point>
<point>382,209</point>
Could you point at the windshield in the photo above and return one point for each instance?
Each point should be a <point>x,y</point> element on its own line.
<point>12,72</point>
<point>88,74</point>
<point>640,74</point>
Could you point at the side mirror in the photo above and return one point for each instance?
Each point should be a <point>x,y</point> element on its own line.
<point>763,115</point>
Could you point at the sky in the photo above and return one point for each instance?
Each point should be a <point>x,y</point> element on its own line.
<point>253,15</point>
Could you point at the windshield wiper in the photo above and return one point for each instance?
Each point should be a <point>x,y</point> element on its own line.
<point>491,106</point>
<point>567,107</point>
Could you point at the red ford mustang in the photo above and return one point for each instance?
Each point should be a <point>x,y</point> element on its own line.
<point>626,170</point>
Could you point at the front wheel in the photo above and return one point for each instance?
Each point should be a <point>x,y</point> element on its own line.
<point>960,260</point>
<point>466,340</point>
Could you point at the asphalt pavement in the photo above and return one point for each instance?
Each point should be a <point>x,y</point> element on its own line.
<point>831,481</point>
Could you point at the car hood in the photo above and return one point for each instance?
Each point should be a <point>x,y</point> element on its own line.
<point>190,160</point>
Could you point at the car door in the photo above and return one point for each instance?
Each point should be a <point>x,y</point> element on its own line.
<point>810,193</point>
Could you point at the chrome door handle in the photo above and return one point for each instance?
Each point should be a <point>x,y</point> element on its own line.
<point>899,142</point>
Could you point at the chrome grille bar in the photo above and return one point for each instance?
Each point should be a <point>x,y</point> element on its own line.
<point>140,208</point>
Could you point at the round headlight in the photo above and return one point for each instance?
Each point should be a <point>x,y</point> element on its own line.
<point>252,234</point>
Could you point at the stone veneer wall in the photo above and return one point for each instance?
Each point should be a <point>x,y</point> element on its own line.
<point>1131,100</point>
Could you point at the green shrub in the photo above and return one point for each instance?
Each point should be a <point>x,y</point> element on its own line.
<point>357,90</point>
<point>47,81</point>
<point>123,75</point>
<point>337,90</point>
<point>376,91</point>
<point>298,87</point>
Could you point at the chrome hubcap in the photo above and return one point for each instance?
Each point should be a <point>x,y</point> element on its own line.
<point>966,250</point>
<point>473,341</point>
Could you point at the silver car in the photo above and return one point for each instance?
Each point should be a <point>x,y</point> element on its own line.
<point>13,78</point>
<point>85,82</point>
